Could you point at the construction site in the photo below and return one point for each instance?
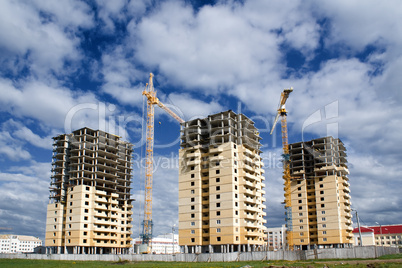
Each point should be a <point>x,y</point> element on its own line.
<point>221,192</point>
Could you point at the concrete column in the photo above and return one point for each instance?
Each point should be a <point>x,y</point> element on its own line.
<point>231,248</point>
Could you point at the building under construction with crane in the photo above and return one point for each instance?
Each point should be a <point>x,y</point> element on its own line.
<point>317,200</point>
<point>221,189</point>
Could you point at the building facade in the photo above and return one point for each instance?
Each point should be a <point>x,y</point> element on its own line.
<point>18,243</point>
<point>90,204</point>
<point>276,238</point>
<point>320,196</point>
<point>384,235</point>
<point>221,189</point>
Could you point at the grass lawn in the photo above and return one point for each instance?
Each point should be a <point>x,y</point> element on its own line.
<point>387,261</point>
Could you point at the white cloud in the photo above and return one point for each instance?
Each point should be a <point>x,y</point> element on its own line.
<point>189,108</point>
<point>29,40</point>
<point>12,148</point>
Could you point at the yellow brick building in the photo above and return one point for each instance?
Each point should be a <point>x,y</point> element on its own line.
<point>221,189</point>
<point>90,205</point>
<point>320,197</point>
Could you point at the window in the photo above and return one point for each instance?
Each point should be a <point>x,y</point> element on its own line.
<point>217,163</point>
<point>71,211</point>
<point>192,183</point>
<point>301,207</point>
<point>218,196</point>
<point>324,226</point>
<point>235,195</point>
<point>192,191</point>
<point>218,213</point>
<point>299,195</point>
<point>86,195</point>
<point>85,218</point>
<point>300,201</point>
<point>301,227</point>
<point>85,233</point>
<point>218,205</point>
<point>235,162</point>
<point>323,212</point>
<point>237,238</point>
<point>84,241</point>
<point>218,221</point>
<point>218,188</point>
<point>192,168</point>
<point>235,170</point>
<point>218,238</point>
<point>235,187</point>
<point>192,240</point>
<point>218,179</point>
<point>86,203</point>
<point>192,175</point>
<point>193,231</point>
<point>301,234</point>
<point>298,182</point>
<point>323,205</point>
<point>322,198</point>
<point>324,239</point>
<point>324,232</point>
<point>324,219</point>
<point>217,171</point>
<point>192,215</point>
<point>234,146</point>
<point>299,189</point>
<point>234,154</point>
<point>300,221</point>
<point>321,185</point>
<point>192,223</point>
<point>192,199</point>
<point>300,214</point>
<point>218,230</point>
<point>86,210</point>
<point>235,178</point>
<point>192,207</point>
<point>71,203</point>
<point>302,240</point>
<point>320,179</point>
<point>236,204</point>
<point>236,212</point>
<point>71,196</point>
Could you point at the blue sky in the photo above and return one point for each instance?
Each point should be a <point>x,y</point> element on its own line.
<point>68,64</point>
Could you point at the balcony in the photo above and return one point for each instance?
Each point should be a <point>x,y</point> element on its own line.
<point>215,150</point>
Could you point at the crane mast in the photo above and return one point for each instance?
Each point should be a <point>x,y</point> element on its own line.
<point>286,165</point>
<point>150,93</point>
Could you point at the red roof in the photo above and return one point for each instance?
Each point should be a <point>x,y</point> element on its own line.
<point>385,229</point>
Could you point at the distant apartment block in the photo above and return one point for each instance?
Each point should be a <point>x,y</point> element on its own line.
<point>321,212</point>
<point>384,235</point>
<point>221,189</point>
<point>90,205</point>
<point>18,243</point>
<point>161,244</point>
<point>276,238</point>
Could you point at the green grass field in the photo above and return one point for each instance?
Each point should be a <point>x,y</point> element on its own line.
<point>388,261</point>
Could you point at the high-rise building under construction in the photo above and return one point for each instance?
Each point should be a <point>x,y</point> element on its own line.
<point>90,205</point>
<point>221,196</point>
<point>320,196</point>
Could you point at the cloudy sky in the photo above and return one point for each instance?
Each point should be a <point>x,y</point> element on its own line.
<point>68,64</point>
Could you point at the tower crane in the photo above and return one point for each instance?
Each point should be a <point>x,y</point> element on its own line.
<point>286,163</point>
<point>150,93</point>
